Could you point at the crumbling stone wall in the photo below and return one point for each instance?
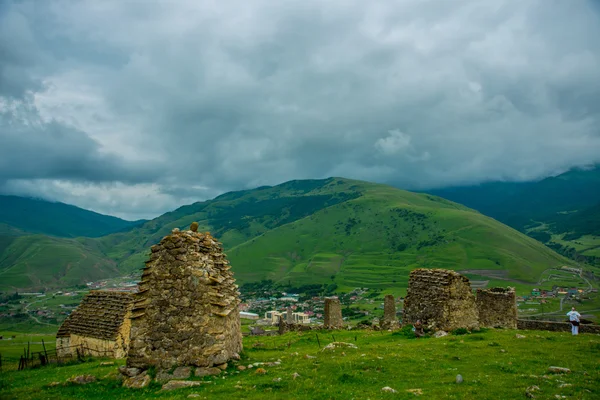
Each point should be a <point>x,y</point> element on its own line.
<point>441,299</point>
<point>333,314</point>
<point>497,307</point>
<point>555,326</point>
<point>185,313</point>
<point>389,321</point>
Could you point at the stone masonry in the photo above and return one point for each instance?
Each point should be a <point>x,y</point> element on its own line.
<point>333,314</point>
<point>497,307</point>
<point>389,321</point>
<point>185,313</point>
<point>441,300</point>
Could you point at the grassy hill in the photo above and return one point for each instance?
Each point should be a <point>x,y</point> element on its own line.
<point>57,219</point>
<point>336,230</point>
<point>561,211</point>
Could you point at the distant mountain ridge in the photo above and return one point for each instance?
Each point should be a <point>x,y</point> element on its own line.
<point>335,230</point>
<point>557,210</point>
<point>57,219</point>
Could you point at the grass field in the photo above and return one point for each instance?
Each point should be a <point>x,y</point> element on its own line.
<point>494,365</point>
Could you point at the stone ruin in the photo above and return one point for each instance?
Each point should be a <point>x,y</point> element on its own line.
<point>497,307</point>
<point>333,314</point>
<point>185,314</point>
<point>99,326</point>
<point>441,300</point>
<point>389,321</point>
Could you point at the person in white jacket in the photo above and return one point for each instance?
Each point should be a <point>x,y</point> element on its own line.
<point>574,318</point>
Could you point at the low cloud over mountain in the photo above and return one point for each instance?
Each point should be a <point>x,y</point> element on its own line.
<point>134,108</point>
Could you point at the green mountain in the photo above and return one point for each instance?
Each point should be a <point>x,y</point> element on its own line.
<point>57,219</point>
<point>561,211</point>
<point>335,230</point>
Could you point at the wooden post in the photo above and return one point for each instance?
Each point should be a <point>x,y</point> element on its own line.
<point>45,352</point>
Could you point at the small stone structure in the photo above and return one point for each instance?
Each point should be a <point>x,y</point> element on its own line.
<point>497,307</point>
<point>333,314</point>
<point>555,326</point>
<point>389,321</point>
<point>99,326</point>
<point>441,299</point>
<point>186,313</point>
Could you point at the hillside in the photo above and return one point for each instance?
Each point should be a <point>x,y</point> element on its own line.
<point>335,230</point>
<point>57,219</point>
<point>561,211</point>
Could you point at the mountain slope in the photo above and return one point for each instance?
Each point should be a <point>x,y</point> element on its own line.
<point>561,211</point>
<point>57,219</point>
<point>351,233</point>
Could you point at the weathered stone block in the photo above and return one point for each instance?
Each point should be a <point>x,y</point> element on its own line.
<point>333,314</point>
<point>497,308</point>
<point>186,311</point>
<point>441,299</point>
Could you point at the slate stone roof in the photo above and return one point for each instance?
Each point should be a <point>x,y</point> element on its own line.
<point>99,315</point>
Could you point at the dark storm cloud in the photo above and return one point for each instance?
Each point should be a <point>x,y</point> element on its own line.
<point>184,100</point>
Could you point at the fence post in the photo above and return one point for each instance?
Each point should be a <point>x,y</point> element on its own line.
<point>45,352</point>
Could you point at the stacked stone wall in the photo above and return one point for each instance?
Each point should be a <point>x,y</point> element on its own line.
<point>497,308</point>
<point>186,311</point>
<point>333,314</point>
<point>441,300</point>
<point>534,325</point>
<point>389,321</point>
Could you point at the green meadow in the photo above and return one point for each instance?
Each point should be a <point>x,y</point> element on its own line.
<point>494,364</point>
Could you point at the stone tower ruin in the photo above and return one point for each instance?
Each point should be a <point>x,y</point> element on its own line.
<point>333,314</point>
<point>497,307</point>
<point>441,300</point>
<point>389,321</point>
<point>185,313</point>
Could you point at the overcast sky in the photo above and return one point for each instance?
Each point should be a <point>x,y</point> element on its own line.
<point>133,108</point>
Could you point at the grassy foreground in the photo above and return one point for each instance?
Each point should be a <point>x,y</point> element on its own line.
<point>494,364</point>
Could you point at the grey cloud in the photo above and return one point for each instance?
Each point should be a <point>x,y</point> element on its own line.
<point>242,94</point>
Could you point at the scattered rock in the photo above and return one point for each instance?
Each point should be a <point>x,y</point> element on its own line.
<point>519,336</point>
<point>207,371</point>
<point>308,356</point>
<point>295,375</point>
<point>222,367</point>
<point>440,334</point>
<point>235,356</point>
<point>459,378</point>
<point>129,371</point>
<point>107,363</point>
<point>416,392</point>
<point>137,382</point>
<point>333,345</point>
<point>277,380</point>
<point>241,368</point>
<point>563,385</point>
<point>260,371</point>
<point>250,366</point>
<point>53,384</point>
<point>182,372</point>
<point>193,395</point>
<point>194,227</point>
<point>172,385</point>
<point>388,389</point>
<point>82,379</point>
<point>502,351</point>
<point>559,370</point>
<point>558,396</point>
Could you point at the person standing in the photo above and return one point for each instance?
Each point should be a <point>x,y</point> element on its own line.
<point>574,318</point>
